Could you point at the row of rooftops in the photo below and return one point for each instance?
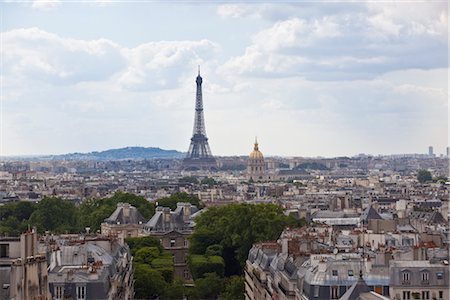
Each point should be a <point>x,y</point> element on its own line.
<point>164,219</point>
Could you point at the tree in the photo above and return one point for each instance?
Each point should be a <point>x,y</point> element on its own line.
<point>148,252</point>
<point>93,212</point>
<point>175,291</point>
<point>136,243</point>
<point>424,176</point>
<point>149,283</point>
<point>146,255</point>
<point>215,249</point>
<point>208,181</point>
<point>14,217</point>
<point>236,227</point>
<point>234,288</point>
<point>199,265</point>
<point>172,200</point>
<point>188,179</point>
<point>209,287</point>
<point>56,215</point>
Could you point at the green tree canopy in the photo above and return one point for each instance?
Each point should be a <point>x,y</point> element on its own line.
<point>209,287</point>
<point>236,227</point>
<point>424,176</point>
<point>208,181</point>
<point>188,179</point>
<point>172,200</point>
<point>146,255</point>
<point>14,217</point>
<point>149,283</point>
<point>55,215</point>
<point>136,243</point>
<point>234,288</point>
<point>94,211</point>
<point>202,264</point>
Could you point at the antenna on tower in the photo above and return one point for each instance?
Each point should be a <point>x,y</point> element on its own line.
<point>198,70</point>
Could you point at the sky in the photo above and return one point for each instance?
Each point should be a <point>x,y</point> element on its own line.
<point>308,78</point>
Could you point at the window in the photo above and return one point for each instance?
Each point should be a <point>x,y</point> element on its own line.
<point>186,274</point>
<point>350,273</point>
<point>59,292</point>
<point>425,276</point>
<point>406,295</point>
<point>186,243</point>
<point>425,295</point>
<point>172,243</point>
<point>334,272</point>
<point>334,292</point>
<point>378,289</point>
<point>81,292</point>
<point>4,250</point>
<point>441,295</point>
<point>406,277</point>
<point>316,291</point>
<point>440,275</point>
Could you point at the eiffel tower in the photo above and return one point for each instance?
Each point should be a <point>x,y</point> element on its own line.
<point>199,156</point>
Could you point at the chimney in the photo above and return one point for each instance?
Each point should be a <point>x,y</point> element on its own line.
<point>126,209</point>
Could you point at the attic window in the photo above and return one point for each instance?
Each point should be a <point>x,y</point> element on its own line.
<point>350,273</point>
<point>334,272</point>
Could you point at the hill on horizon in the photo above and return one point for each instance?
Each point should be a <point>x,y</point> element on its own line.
<point>123,153</point>
<point>110,154</point>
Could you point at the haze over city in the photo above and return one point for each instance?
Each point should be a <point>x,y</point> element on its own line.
<point>308,79</point>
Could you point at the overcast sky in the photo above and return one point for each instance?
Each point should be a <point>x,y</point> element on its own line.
<point>309,79</point>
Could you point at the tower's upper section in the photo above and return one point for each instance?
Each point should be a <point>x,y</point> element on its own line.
<point>256,154</point>
<point>199,79</point>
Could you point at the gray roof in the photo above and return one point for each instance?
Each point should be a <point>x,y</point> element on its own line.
<point>369,214</point>
<point>180,219</point>
<point>125,214</point>
<point>428,217</point>
<point>332,214</point>
<point>355,290</point>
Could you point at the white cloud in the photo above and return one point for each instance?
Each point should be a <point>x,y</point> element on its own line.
<point>45,4</point>
<point>160,64</point>
<point>342,45</point>
<point>35,54</point>
<point>237,10</point>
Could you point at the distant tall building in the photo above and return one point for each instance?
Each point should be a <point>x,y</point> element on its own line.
<point>199,155</point>
<point>256,168</point>
<point>430,151</point>
<point>447,152</point>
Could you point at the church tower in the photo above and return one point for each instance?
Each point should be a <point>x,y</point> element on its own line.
<point>256,168</point>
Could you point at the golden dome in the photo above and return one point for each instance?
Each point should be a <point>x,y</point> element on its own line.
<point>256,154</point>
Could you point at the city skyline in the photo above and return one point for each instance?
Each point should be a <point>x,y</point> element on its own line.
<point>308,79</point>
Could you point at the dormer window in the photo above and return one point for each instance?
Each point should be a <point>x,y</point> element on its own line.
<point>406,277</point>
<point>425,277</point>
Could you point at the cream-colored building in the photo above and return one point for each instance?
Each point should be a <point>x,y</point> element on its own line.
<point>256,168</point>
<point>23,271</point>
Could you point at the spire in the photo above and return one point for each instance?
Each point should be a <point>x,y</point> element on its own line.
<point>256,144</point>
<point>199,79</point>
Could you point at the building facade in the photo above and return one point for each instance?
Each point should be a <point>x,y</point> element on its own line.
<point>419,279</point>
<point>173,229</point>
<point>256,168</point>
<point>23,270</point>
